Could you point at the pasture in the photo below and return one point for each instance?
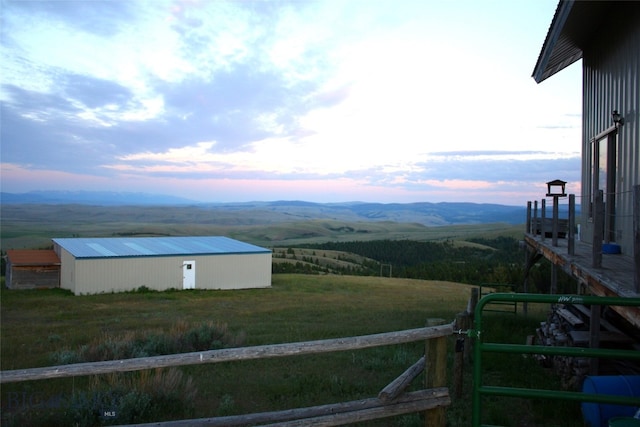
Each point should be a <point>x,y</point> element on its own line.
<point>37,325</point>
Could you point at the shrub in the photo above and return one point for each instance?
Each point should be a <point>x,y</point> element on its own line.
<point>121,398</point>
<point>181,338</point>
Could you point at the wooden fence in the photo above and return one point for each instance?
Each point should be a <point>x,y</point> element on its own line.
<point>391,401</point>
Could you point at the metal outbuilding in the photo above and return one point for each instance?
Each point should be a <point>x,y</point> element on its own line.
<point>32,268</point>
<point>98,265</point>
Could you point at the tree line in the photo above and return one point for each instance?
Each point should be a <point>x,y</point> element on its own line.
<point>496,260</point>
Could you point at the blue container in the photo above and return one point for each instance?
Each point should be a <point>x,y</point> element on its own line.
<point>599,414</point>
<point>610,248</point>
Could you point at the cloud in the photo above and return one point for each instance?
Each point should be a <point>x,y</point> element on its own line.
<point>384,95</point>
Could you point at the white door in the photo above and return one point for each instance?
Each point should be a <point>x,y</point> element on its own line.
<point>189,275</point>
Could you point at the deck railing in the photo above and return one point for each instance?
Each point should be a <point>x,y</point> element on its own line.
<point>556,227</point>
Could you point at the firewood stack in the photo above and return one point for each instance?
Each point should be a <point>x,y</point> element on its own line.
<point>568,325</point>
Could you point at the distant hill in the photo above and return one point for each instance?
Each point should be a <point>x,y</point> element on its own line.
<point>425,213</point>
<point>430,214</point>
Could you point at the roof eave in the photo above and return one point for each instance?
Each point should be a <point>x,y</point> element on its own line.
<point>545,68</point>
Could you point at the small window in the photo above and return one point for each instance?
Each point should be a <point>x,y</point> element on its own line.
<point>189,266</point>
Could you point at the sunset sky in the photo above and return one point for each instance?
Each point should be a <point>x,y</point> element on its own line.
<point>326,101</point>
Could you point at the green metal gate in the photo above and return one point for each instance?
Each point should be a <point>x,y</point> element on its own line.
<point>479,389</point>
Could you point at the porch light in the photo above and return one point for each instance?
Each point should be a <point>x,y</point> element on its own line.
<point>617,118</point>
<point>555,188</point>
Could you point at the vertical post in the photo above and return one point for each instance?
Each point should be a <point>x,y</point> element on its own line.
<point>554,227</point>
<point>636,237</point>
<point>594,337</point>
<point>525,289</point>
<point>463,320</point>
<point>528,226</point>
<point>554,279</point>
<point>473,301</point>
<point>543,217</point>
<point>571,244</point>
<point>436,373</point>
<point>535,217</point>
<point>598,229</point>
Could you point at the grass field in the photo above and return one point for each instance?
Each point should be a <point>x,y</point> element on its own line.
<point>37,324</point>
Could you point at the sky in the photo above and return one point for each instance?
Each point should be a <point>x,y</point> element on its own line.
<point>325,101</point>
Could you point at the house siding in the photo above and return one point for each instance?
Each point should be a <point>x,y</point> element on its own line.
<point>611,81</point>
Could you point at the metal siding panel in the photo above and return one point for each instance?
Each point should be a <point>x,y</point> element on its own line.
<point>126,274</point>
<point>611,81</point>
<point>233,271</point>
<point>67,269</point>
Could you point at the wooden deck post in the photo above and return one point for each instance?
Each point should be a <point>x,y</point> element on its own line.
<point>436,373</point>
<point>598,230</point>
<point>636,238</point>
<point>543,216</point>
<point>535,217</point>
<point>528,226</point>
<point>554,219</point>
<point>571,232</point>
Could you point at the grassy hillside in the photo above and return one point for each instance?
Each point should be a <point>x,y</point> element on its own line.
<point>33,226</point>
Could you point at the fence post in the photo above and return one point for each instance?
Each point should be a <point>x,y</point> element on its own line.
<point>458,361</point>
<point>528,226</point>
<point>436,373</point>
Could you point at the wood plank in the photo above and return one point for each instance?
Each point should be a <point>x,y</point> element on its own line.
<point>397,386</point>
<point>615,278</point>
<point>569,317</point>
<point>228,354</point>
<point>326,415</point>
<point>581,338</point>
<point>603,322</point>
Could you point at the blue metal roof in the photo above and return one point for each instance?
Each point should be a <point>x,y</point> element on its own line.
<point>111,247</point>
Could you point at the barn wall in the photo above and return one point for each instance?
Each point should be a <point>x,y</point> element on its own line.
<point>233,271</point>
<point>611,81</point>
<point>67,269</point>
<point>161,273</point>
<point>98,275</point>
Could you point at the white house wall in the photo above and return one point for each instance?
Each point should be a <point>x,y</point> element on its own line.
<point>611,81</point>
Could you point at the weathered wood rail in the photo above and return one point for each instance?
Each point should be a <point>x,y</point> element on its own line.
<point>227,355</point>
<point>391,401</point>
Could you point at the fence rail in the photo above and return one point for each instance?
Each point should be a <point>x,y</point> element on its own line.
<point>391,401</point>
<point>227,355</point>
